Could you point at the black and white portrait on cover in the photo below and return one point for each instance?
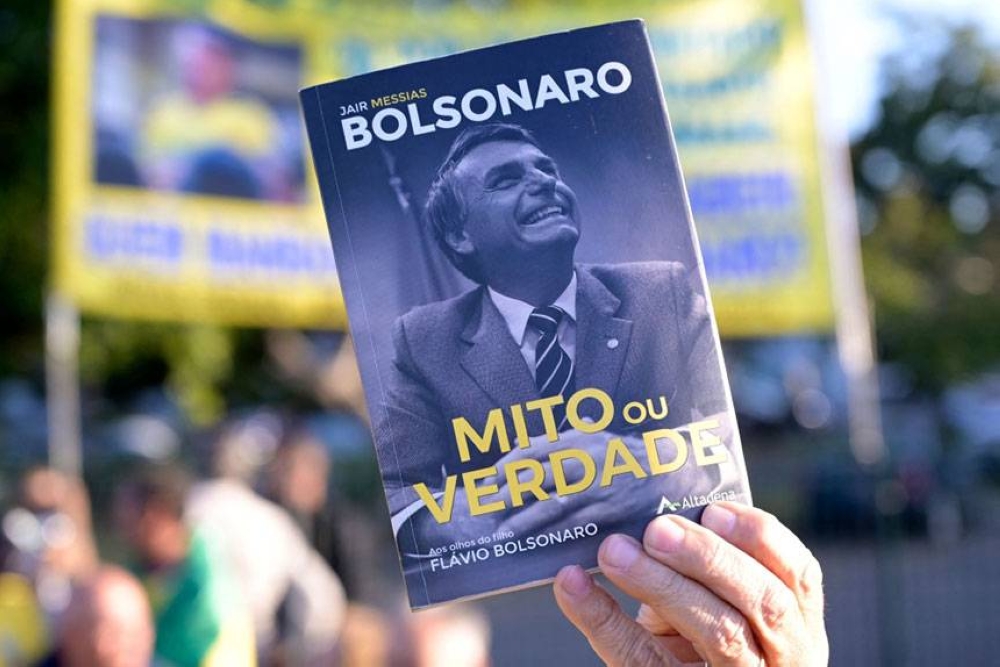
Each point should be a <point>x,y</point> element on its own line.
<point>539,324</point>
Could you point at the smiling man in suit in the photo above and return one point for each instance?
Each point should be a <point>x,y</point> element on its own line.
<point>539,325</point>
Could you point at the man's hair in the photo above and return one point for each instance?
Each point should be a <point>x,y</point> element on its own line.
<point>445,209</point>
<point>166,485</point>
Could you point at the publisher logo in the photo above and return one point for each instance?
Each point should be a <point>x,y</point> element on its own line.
<point>694,500</point>
<point>667,506</point>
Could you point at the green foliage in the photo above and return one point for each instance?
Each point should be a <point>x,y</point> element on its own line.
<point>194,363</point>
<point>927,175</point>
<point>24,125</point>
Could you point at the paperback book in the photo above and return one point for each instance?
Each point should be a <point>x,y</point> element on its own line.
<point>528,304</point>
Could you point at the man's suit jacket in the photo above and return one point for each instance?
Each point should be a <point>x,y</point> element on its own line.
<point>641,334</point>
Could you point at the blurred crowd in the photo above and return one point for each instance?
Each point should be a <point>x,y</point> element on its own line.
<point>251,562</point>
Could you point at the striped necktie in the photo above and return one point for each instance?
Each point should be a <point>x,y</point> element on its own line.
<point>553,367</point>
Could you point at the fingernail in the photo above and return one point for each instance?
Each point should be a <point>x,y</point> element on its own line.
<point>574,581</point>
<point>664,534</point>
<point>620,551</point>
<point>718,519</point>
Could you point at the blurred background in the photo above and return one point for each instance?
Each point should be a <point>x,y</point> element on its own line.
<point>182,396</point>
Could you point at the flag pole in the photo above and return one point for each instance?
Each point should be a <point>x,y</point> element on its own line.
<point>62,358</point>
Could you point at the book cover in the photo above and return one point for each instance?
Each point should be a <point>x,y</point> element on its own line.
<point>528,303</point>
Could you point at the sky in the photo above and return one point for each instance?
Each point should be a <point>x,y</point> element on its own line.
<point>852,36</point>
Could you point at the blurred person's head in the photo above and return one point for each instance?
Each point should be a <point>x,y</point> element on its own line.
<point>452,636</point>
<point>207,63</point>
<point>108,623</point>
<point>243,446</point>
<point>51,525</point>
<point>365,638</point>
<point>149,513</point>
<point>300,473</point>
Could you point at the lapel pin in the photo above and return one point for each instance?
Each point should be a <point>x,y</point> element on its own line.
<point>612,343</point>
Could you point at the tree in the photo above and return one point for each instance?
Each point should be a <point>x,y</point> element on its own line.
<point>24,135</point>
<point>927,175</point>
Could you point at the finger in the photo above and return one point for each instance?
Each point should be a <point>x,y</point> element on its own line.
<point>616,638</point>
<point>718,632</point>
<point>762,598</point>
<point>674,642</point>
<point>653,622</point>
<point>777,548</point>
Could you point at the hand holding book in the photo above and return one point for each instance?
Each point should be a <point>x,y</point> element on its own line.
<point>740,589</point>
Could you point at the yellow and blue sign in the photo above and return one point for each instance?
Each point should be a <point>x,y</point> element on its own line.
<point>181,187</point>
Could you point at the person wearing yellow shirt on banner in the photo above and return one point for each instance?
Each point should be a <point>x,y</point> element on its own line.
<point>207,138</point>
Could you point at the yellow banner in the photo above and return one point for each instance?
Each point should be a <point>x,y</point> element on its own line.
<point>736,74</point>
<point>181,188</point>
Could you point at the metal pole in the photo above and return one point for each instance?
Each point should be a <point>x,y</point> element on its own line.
<point>62,355</point>
<point>855,346</point>
<point>853,320</point>
<point>855,340</point>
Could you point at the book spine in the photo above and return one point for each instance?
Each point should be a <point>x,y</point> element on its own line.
<point>318,129</point>
<point>322,153</point>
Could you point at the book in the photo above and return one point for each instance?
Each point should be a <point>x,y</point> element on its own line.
<point>528,304</point>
